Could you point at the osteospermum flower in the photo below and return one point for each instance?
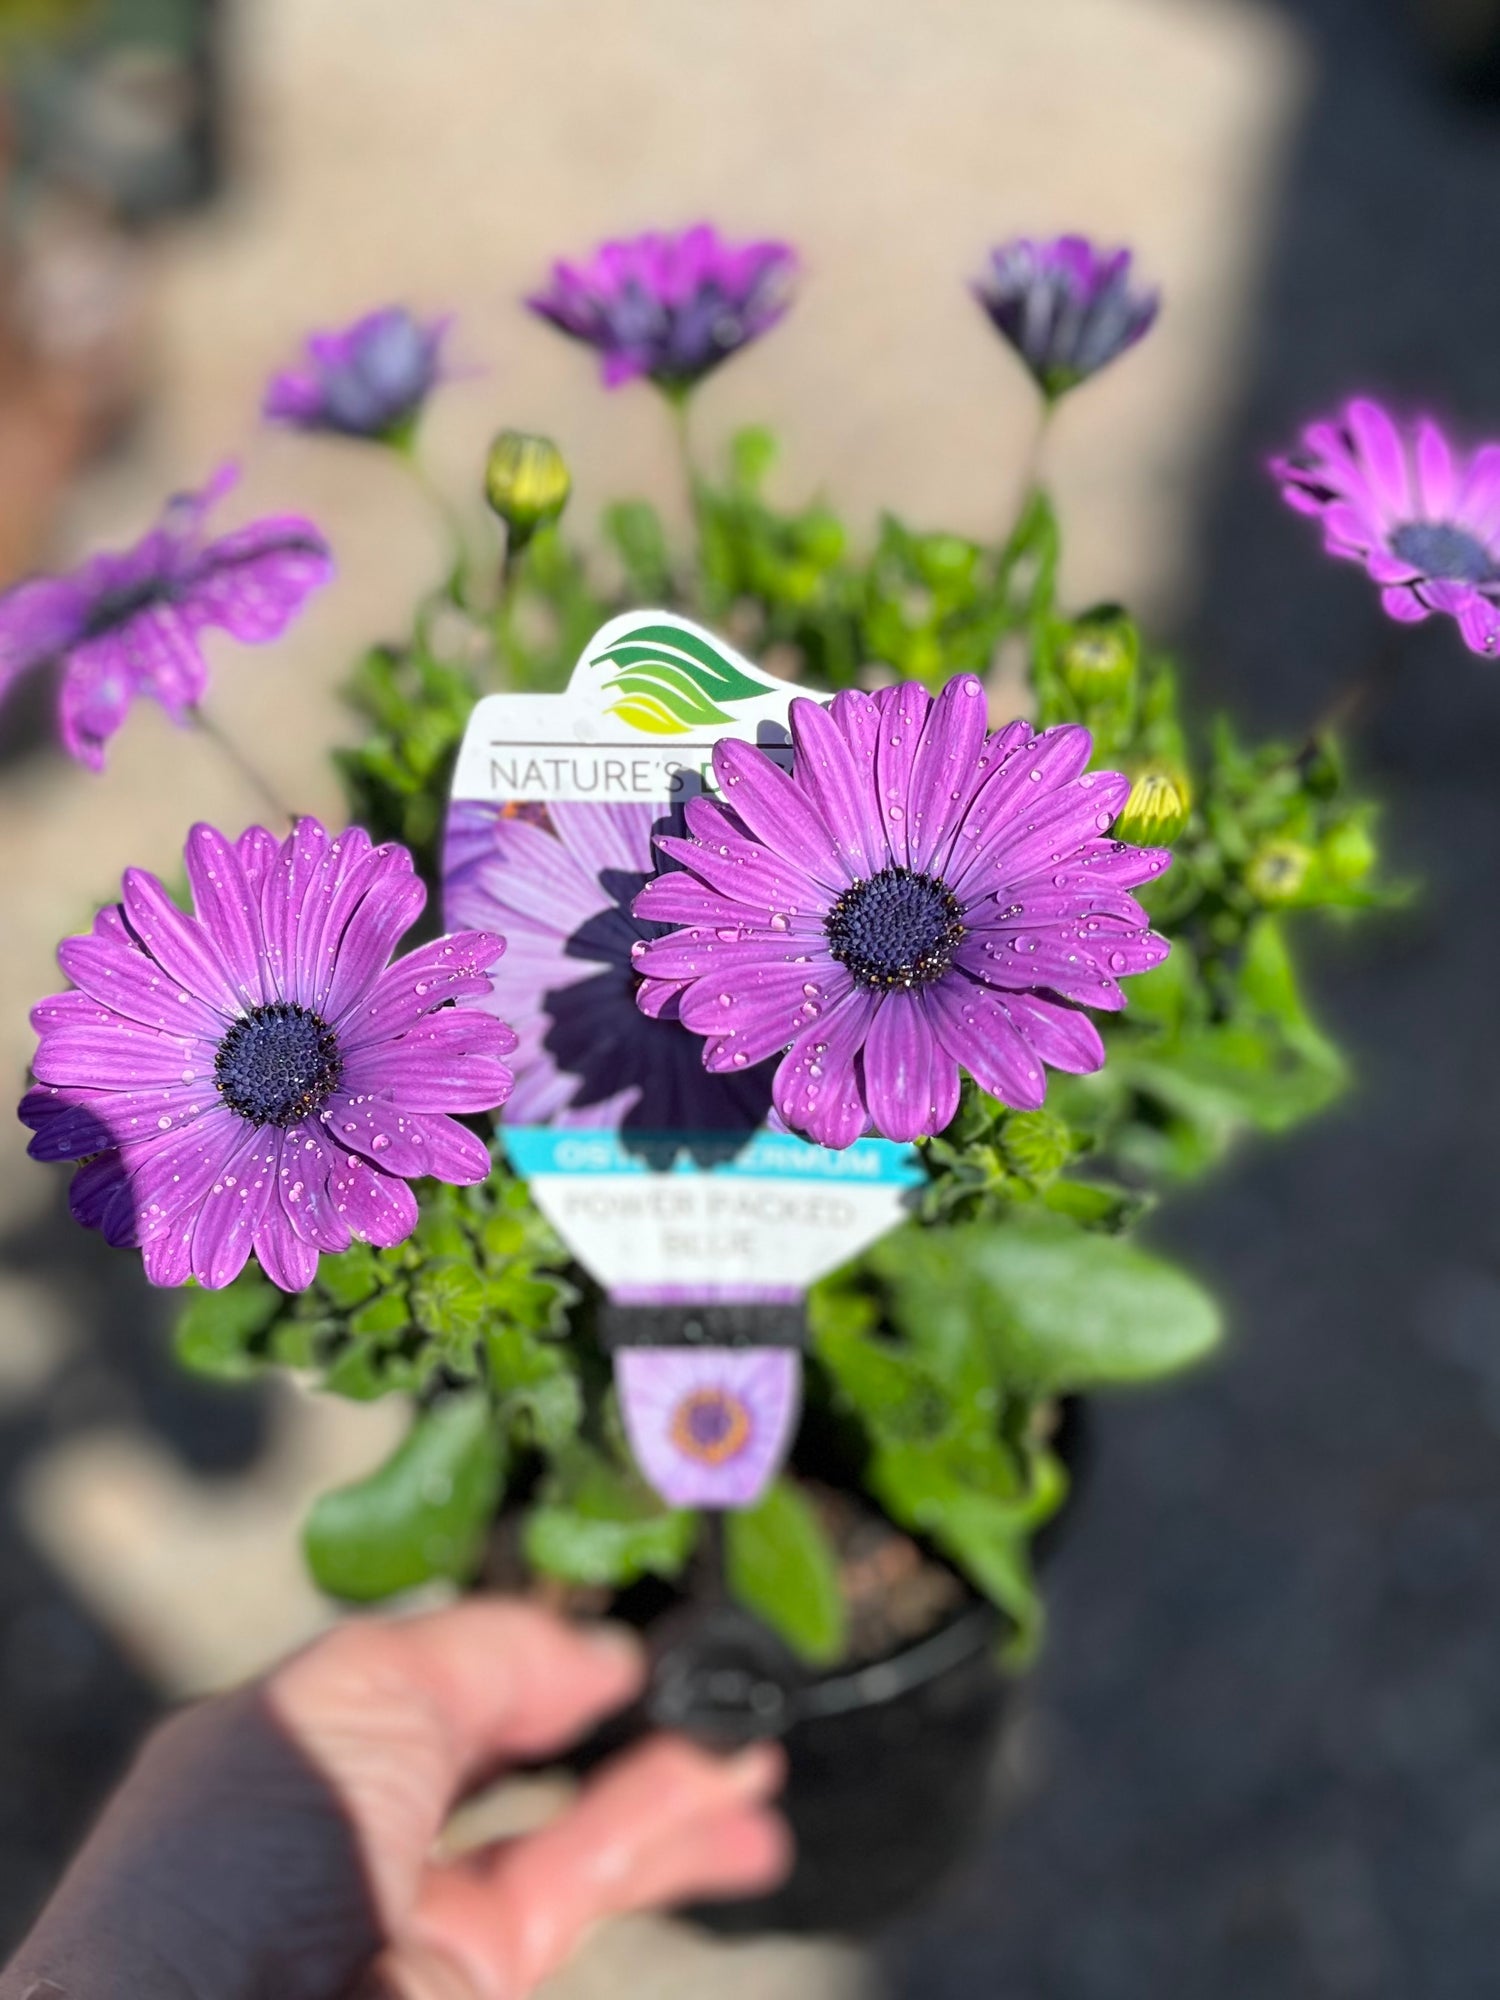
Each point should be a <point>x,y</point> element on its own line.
<point>256,1075</point>
<point>1423,519</point>
<point>708,1426</point>
<point>368,380</point>
<point>915,897</point>
<point>558,883</point>
<point>128,623</point>
<point>1067,307</point>
<point>669,306</point>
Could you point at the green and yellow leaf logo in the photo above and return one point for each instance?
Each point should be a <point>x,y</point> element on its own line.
<point>671,680</point>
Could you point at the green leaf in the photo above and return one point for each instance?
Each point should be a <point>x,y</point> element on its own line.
<point>448,1299</point>
<point>425,1513</point>
<point>219,1332</point>
<point>781,1566</point>
<point>599,1524</point>
<point>1060,1307</point>
<point>969,1506</point>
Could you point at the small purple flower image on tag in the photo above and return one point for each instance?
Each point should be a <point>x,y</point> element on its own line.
<point>709,1426</point>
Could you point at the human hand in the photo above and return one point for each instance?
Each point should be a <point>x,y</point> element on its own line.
<point>277,1843</point>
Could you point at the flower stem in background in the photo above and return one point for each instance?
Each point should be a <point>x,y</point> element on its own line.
<point>1034,463</point>
<point>678,398</point>
<point>453,523</point>
<point>243,765</point>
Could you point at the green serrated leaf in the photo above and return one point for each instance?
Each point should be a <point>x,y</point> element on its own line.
<point>425,1513</point>
<point>781,1566</point>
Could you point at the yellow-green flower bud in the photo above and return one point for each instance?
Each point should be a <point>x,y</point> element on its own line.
<point>1098,657</point>
<point>1156,811</point>
<point>1347,853</point>
<point>1278,871</point>
<point>1035,1144</point>
<point>527,482</point>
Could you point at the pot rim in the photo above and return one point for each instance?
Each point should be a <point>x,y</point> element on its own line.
<point>966,1634</point>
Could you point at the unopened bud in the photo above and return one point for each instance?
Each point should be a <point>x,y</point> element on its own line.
<point>1156,811</point>
<point>1036,1144</point>
<point>1347,853</point>
<point>1278,871</point>
<point>527,482</point>
<point>1098,657</point>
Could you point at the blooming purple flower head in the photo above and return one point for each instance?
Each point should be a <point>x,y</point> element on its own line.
<point>558,883</point>
<point>915,897</point>
<point>1423,519</point>
<point>256,1076</point>
<point>128,624</point>
<point>368,380</point>
<point>669,306</point>
<point>1067,307</point>
<point>708,1426</point>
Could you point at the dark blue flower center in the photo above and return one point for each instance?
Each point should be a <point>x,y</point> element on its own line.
<point>897,929</point>
<point>1443,552</point>
<point>278,1065</point>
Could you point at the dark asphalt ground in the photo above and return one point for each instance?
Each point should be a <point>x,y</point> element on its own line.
<point>1263,1752</point>
<point>1264,1757</point>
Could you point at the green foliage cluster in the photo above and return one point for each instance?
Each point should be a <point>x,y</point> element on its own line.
<point>942,1355</point>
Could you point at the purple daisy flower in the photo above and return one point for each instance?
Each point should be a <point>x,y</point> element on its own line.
<point>669,306</point>
<point>1067,307</point>
<point>914,897</point>
<point>256,1076</point>
<point>368,380</point>
<point>129,623</point>
<point>558,882</point>
<point>1423,519</point>
<point>709,1426</point>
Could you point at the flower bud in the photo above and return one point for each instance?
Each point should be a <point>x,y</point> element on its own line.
<point>1156,811</point>
<point>1036,1144</point>
<point>1347,853</point>
<point>1098,657</point>
<point>527,482</point>
<point>1278,871</point>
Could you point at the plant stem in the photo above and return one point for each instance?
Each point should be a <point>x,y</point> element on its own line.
<point>243,766</point>
<point>1358,697</point>
<point>1031,465</point>
<point>678,402</point>
<point>447,513</point>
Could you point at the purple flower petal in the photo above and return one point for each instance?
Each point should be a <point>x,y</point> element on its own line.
<point>670,307</point>
<point>1422,518</point>
<point>1065,306</point>
<point>125,624</point>
<point>994,901</point>
<point>253,582</point>
<point>709,1426</point>
<point>369,380</point>
<point>237,1116</point>
<point>561,893</point>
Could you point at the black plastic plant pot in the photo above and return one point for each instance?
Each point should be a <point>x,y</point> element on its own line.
<point>889,1775</point>
<point>889,1764</point>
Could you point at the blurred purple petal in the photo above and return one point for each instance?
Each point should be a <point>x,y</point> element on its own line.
<point>671,307</point>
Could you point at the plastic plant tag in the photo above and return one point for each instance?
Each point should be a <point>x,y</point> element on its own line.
<point>704,1227</point>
